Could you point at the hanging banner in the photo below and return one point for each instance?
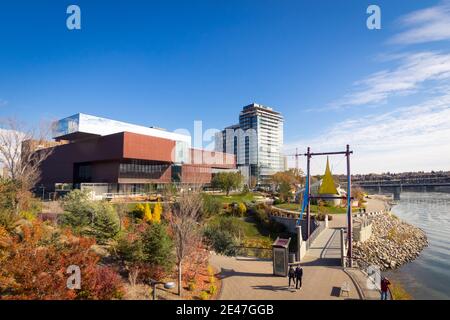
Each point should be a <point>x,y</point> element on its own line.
<point>305,201</point>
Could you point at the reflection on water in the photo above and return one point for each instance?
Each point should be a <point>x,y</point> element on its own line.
<point>427,277</point>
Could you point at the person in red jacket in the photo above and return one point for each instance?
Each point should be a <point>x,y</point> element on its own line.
<point>384,288</point>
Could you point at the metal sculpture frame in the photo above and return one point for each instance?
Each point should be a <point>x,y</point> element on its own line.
<point>349,197</point>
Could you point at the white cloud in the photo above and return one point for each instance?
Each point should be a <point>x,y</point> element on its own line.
<point>426,25</point>
<point>3,103</point>
<point>410,138</point>
<point>412,71</point>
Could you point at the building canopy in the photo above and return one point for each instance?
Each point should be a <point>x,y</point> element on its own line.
<point>328,186</point>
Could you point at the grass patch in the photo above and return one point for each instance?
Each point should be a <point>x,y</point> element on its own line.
<point>244,197</point>
<point>396,236</point>
<point>399,293</point>
<point>252,231</point>
<point>132,206</point>
<point>250,228</point>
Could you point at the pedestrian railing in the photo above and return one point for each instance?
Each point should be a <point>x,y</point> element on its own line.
<point>284,213</point>
<point>367,214</point>
<point>313,236</point>
<point>373,275</point>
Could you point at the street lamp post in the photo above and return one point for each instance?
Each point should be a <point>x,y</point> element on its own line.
<point>43,192</point>
<point>167,285</point>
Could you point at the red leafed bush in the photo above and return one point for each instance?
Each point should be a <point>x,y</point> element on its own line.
<point>33,265</point>
<point>103,284</point>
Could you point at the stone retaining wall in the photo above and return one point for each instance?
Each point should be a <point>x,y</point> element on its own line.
<point>291,224</point>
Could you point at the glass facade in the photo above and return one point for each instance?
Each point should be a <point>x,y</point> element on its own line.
<point>82,172</point>
<point>247,151</point>
<point>134,188</point>
<point>182,152</point>
<point>66,126</point>
<point>87,124</point>
<point>176,173</point>
<point>142,169</point>
<point>257,141</point>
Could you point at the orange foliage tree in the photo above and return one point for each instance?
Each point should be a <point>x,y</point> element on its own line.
<point>34,263</point>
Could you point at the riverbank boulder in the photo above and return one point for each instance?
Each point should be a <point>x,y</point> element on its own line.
<point>392,244</point>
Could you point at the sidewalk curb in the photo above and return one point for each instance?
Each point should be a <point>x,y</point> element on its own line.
<point>356,283</point>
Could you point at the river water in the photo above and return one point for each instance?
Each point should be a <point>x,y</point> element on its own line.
<point>427,277</point>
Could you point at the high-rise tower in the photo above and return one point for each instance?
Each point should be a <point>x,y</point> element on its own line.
<point>257,142</point>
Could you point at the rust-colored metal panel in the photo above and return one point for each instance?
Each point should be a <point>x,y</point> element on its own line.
<point>196,174</point>
<point>213,159</point>
<point>137,146</point>
<point>105,153</point>
<point>105,172</point>
<point>58,167</point>
<point>96,149</point>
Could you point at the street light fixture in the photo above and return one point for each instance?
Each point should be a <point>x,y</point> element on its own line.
<point>43,192</point>
<point>167,285</point>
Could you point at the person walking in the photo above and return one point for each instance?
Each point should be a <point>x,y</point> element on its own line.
<point>298,277</point>
<point>291,274</point>
<point>384,288</point>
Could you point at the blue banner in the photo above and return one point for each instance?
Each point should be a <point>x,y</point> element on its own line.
<point>305,201</point>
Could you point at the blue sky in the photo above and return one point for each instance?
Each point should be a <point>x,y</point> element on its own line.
<point>168,63</point>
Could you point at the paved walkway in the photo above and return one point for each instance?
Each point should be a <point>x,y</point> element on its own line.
<point>252,279</point>
<point>376,203</point>
<point>325,250</point>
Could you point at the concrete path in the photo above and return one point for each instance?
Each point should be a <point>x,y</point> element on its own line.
<point>376,203</point>
<point>325,250</point>
<point>252,279</point>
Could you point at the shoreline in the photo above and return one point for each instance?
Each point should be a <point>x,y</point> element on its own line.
<point>379,202</point>
<point>428,276</point>
<point>394,242</point>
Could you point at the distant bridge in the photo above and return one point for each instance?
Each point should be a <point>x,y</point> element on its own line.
<point>397,186</point>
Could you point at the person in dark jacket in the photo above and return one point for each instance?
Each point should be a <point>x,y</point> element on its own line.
<point>384,288</point>
<point>291,275</point>
<point>298,277</point>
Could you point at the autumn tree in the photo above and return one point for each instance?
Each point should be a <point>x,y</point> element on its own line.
<point>291,177</point>
<point>22,151</point>
<point>285,181</point>
<point>227,181</point>
<point>157,211</point>
<point>358,194</point>
<point>12,197</point>
<point>147,212</point>
<point>285,190</point>
<point>34,265</point>
<point>183,219</point>
<point>197,261</point>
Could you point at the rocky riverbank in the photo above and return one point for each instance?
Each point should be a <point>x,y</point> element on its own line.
<point>392,244</point>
